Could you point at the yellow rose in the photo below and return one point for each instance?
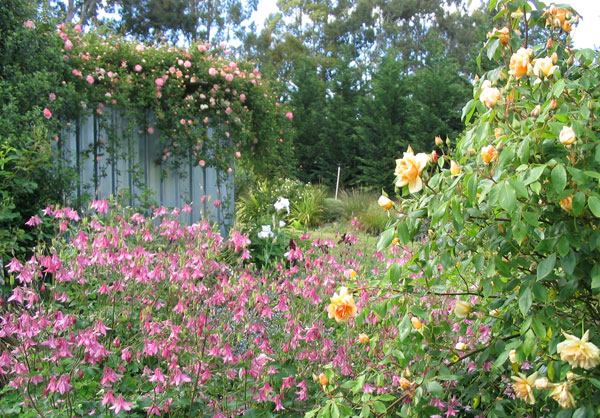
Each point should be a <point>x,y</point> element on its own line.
<point>489,95</point>
<point>363,338</point>
<point>567,203</point>
<point>385,202</point>
<point>350,274</point>
<point>462,309</point>
<point>567,136</point>
<point>416,322</point>
<point>494,312</point>
<point>562,395</point>
<point>497,132</point>
<point>512,356</point>
<point>544,66</point>
<point>409,168</point>
<point>579,352</point>
<point>519,62</point>
<point>523,387</point>
<point>323,379</point>
<point>342,306</point>
<point>489,154</point>
<point>454,168</point>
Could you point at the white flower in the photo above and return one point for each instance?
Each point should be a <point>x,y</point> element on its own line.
<point>567,136</point>
<point>579,352</point>
<point>266,232</point>
<point>281,224</point>
<point>282,203</point>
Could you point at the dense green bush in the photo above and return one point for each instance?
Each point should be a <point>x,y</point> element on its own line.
<point>32,70</point>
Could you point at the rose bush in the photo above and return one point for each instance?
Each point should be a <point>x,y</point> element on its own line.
<point>513,237</point>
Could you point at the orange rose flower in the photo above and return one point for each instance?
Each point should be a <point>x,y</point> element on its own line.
<point>489,154</point>
<point>363,338</point>
<point>519,62</point>
<point>342,306</point>
<point>409,168</point>
<point>567,203</point>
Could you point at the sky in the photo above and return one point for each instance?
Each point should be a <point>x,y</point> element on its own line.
<point>585,35</point>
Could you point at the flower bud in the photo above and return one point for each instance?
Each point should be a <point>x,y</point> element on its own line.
<point>536,111</point>
<point>438,141</point>
<point>549,43</point>
<point>497,132</point>
<point>404,383</point>
<point>512,356</point>
<point>434,156</point>
<point>323,379</point>
<point>416,322</point>
<point>494,312</point>
<point>385,202</point>
<point>553,103</point>
<point>363,338</point>
<point>454,168</point>
<point>460,346</point>
<point>541,383</point>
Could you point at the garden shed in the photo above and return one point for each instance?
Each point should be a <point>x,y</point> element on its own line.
<point>113,156</point>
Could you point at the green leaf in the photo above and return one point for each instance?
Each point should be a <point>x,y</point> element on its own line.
<point>529,343</point>
<point>507,196</point>
<point>525,301</point>
<point>559,178</point>
<point>578,203</point>
<point>519,187</point>
<point>568,262</point>
<point>435,389</point>
<point>404,328</point>
<point>538,327</point>
<point>546,266</point>
<point>379,407</point>
<point>539,292</point>
<point>385,239</point>
<point>492,48</point>
<point>535,174</point>
<point>558,88</point>
<point>472,189</point>
<point>594,205</point>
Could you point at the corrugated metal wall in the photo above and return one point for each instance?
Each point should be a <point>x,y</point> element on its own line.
<point>112,156</point>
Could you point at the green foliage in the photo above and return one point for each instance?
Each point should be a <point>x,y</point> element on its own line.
<point>515,228</point>
<point>31,71</point>
<point>307,208</point>
<point>333,209</point>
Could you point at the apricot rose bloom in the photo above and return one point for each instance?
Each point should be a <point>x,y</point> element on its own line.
<point>489,154</point>
<point>579,352</point>
<point>502,34</point>
<point>489,95</point>
<point>523,387</point>
<point>342,306</point>
<point>519,62</point>
<point>562,395</point>
<point>544,66</point>
<point>409,168</point>
<point>567,136</point>
<point>462,309</point>
<point>363,338</point>
<point>567,203</point>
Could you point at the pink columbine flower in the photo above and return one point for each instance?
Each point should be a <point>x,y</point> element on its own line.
<point>33,221</point>
<point>110,376</point>
<point>120,405</point>
<point>101,206</point>
<point>47,113</point>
